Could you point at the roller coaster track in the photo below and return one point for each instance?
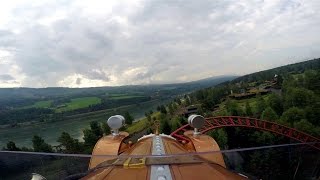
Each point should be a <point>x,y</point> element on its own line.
<point>236,121</point>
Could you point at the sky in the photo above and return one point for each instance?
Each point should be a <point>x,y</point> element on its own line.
<point>78,43</point>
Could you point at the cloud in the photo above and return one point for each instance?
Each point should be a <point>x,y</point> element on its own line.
<point>97,75</point>
<point>96,43</point>
<point>78,81</point>
<point>6,77</point>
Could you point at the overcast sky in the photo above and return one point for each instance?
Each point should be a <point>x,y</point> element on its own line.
<point>116,42</point>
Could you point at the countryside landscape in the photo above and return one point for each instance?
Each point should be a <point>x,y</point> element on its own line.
<point>160,89</point>
<point>50,111</point>
<point>72,120</point>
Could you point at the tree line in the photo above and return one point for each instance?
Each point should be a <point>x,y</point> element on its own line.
<point>67,144</point>
<point>296,104</point>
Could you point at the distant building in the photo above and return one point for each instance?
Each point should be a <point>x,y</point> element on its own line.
<point>251,93</point>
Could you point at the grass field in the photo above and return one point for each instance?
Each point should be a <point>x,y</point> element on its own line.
<point>252,101</point>
<point>74,125</point>
<point>242,103</point>
<point>137,126</point>
<point>125,97</point>
<point>78,103</point>
<point>75,103</point>
<point>40,104</point>
<point>119,96</point>
<point>140,125</point>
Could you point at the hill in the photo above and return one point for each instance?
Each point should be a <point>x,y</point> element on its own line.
<point>47,112</point>
<point>287,95</point>
<point>22,97</point>
<point>295,68</point>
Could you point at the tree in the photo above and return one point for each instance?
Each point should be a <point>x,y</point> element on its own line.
<point>200,94</point>
<point>292,115</point>
<point>90,139</point>
<point>170,108</point>
<point>188,101</point>
<point>128,118</point>
<point>92,135</point>
<point>208,104</point>
<point>220,136</point>
<point>11,146</point>
<point>96,128</point>
<point>182,120</point>
<point>312,80</point>
<point>221,112</point>
<point>174,106</point>
<point>175,123</point>
<point>233,108</point>
<point>178,100</point>
<point>262,162</point>
<point>298,97</point>
<point>279,80</point>
<point>23,148</point>
<point>275,102</point>
<point>305,126</point>
<point>261,105</point>
<point>163,109</point>
<point>312,113</point>
<point>269,114</point>
<point>39,145</point>
<point>248,109</point>
<point>105,128</point>
<point>263,138</point>
<point>69,144</point>
<point>165,127</point>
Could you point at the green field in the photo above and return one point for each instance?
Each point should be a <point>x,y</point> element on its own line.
<point>75,103</point>
<point>120,96</point>
<point>137,126</point>
<point>140,125</point>
<point>74,125</point>
<point>78,103</point>
<point>125,97</point>
<point>40,104</point>
<point>252,101</point>
<point>242,103</point>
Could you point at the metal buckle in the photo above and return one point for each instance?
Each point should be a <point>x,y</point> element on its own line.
<point>140,164</point>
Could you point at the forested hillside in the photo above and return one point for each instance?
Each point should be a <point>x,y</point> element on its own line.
<point>287,95</point>
<point>283,70</point>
